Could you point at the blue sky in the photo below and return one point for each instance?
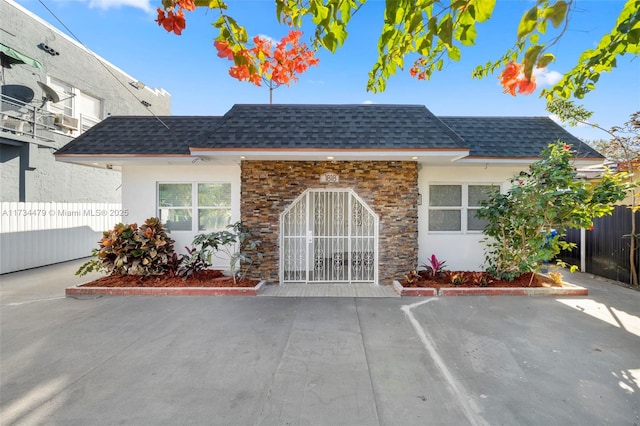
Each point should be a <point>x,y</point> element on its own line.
<point>124,33</point>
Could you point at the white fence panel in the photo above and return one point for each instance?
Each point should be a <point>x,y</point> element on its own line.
<point>38,234</point>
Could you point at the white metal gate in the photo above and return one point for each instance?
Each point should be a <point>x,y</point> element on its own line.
<point>328,236</point>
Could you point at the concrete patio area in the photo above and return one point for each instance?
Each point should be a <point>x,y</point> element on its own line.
<point>316,361</point>
<point>328,290</point>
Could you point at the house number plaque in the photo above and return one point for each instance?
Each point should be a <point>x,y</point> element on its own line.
<point>329,178</point>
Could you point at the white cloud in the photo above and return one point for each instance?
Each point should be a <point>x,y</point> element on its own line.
<point>108,4</point>
<point>367,102</point>
<point>545,77</point>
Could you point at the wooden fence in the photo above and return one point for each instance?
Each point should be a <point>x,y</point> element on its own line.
<point>606,246</point>
<point>38,234</point>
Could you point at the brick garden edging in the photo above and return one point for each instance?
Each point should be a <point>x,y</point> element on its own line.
<point>566,290</point>
<point>413,291</point>
<point>164,291</point>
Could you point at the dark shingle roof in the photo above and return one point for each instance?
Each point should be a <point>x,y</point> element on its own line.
<point>514,136</point>
<point>331,127</point>
<point>132,135</point>
<point>324,127</point>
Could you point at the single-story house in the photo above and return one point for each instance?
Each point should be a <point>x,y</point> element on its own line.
<point>336,193</point>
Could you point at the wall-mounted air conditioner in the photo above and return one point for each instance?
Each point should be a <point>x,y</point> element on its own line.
<point>66,122</point>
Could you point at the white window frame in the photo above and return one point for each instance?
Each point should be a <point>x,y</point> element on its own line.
<point>86,119</point>
<point>87,122</point>
<point>75,93</point>
<point>71,97</point>
<point>195,207</point>
<point>464,208</point>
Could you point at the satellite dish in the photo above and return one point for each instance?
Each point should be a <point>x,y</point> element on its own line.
<point>18,92</point>
<point>49,93</point>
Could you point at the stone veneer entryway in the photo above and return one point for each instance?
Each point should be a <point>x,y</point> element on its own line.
<point>390,188</point>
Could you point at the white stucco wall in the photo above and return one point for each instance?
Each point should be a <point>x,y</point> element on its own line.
<point>460,251</point>
<point>139,192</point>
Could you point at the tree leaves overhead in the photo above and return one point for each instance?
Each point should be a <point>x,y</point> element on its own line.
<point>439,30</point>
<point>528,22</point>
<point>556,13</point>
<point>623,39</point>
<point>430,29</point>
<point>329,16</point>
<point>568,112</point>
<point>532,39</point>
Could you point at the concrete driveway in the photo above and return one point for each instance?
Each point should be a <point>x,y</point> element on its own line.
<point>317,361</point>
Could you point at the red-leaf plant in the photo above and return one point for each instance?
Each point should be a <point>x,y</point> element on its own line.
<point>272,63</point>
<point>512,78</point>
<point>172,19</point>
<point>269,62</point>
<point>435,267</point>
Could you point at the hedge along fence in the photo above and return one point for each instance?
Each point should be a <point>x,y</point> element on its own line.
<point>607,248</point>
<point>38,234</point>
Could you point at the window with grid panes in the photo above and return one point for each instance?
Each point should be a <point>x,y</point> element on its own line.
<point>76,103</point>
<point>453,207</point>
<point>202,207</point>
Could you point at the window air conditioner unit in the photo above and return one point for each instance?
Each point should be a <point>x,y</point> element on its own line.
<point>66,122</point>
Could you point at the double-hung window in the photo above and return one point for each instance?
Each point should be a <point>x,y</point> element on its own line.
<point>76,111</point>
<point>89,109</point>
<point>453,207</point>
<point>66,92</point>
<point>204,207</point>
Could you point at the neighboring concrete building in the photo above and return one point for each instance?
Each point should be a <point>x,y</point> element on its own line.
<point>337,193</point>
<point>54,89</point>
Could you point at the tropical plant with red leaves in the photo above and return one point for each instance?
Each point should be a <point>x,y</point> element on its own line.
<point>435,266</point>
<point>131,250</point>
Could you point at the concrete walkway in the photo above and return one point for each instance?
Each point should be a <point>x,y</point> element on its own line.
<point>328,290</point>
<point>316,361</point>
<point>44,283</point>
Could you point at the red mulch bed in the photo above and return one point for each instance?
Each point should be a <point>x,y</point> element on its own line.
<point>207,278</point>
<point>443,281</point>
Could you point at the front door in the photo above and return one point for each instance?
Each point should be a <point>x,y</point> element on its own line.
<point>328,236</point>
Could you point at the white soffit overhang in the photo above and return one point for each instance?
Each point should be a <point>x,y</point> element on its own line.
<point>439,156</point>
<point>119,160</point>
<point>202,156</point>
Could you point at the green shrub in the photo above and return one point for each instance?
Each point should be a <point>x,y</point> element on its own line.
<point>231,243</point>
<point>520,224</point>
<point>132,250</point>
<point>197,259</point>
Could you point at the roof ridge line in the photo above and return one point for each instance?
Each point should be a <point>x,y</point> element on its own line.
<point>449,130</point>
